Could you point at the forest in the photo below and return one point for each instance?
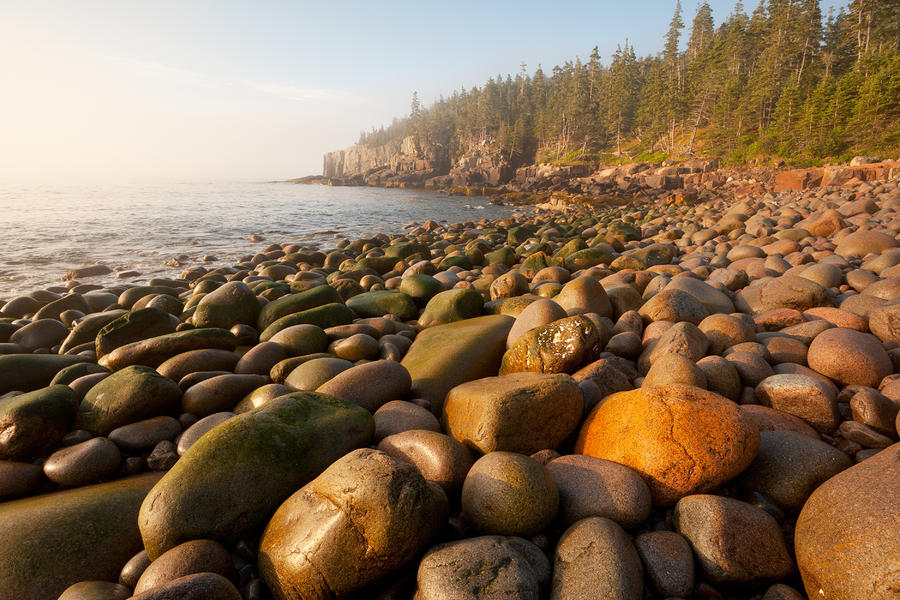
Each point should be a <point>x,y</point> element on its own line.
<point>783,83</point>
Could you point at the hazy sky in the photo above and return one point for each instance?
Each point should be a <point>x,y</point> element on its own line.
<point>190,90</point>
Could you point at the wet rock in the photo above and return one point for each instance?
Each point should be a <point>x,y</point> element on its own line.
<point>595,558</point>
<point>509,494</point>
<point>681,439</point>
<point>220,393</point>
<point>146,433</point>
<point>521,412</point>
<point>196,556</point>
<point>865,563</point>
<point>29,372</point>
<point>83,463</point>
<point>559,347</point>
<point>311,374</point>
<point>154,351</point>
<point>733,541</point>
<point>32,424</point>
<point>199,429</point>
<point>364,517</point>
<point>398,416</point>
<point>127,396</point>
<point>199,586</point>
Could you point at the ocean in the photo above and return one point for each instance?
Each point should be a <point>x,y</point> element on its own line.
<point>48,229</point>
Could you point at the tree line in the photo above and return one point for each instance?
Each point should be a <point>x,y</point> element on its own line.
<point>785,81</point>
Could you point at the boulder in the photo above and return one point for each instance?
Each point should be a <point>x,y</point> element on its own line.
<point>559,347</point>
<point>34,423</point>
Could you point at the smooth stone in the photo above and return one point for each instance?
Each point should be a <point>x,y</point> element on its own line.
<point>733,541</point>
<point>520,412</point>
<point>751,368</point>
<point>356,347</point>
<point>154,351</point>
<point>383,302</point>
<point>398,416</point>
<point>802,396</point>
<point>724,331</point>
<point>582,295</point>
<point>295,303</point>
<point>369,385</point>
<point>193,361</point>
<point>445,356</point>
<point>790,466</point>
<point>134,326</point>
<point>260,396</point>
<point>680,338</point>
<point>870,407</point>
<point>42,333</point>
<point>232,479</point>
<point>771,419</point>
<point>302,339</point>
<point>861,243</point>
<point>325,316</point>
<point>884,322</point>
<point>483,568</point>
<point>34,423</point>
<point>146,433</point>
<point>18,479</point>
<point>595,558</point>
<point>362,519</point>
<point>83,463</point>
<point>52,541</point>
<point>668,563</point>
<point>133,569</point>
<point>196,556</point>
<point>675,368</point>
<point>450,306</point>
<point>674,306</point>
<point>199,586</point>
<point>848,357</point>
<point>509,494</point>
<point>787,291</point>
<point>29,372</point>
<point>95,590</point>
<point>714,300</point>
<point>536,314</point>
<point>220,393</point>
<point>721,377</point>
<point>127,396</point>
<point>593,487</point>
<point>312,374</point>
<point>230,304</point>
<point>863,435</point>
<point>853,552</point>
<point>680,439</point>
<point>199,429</point>
<point>440,458</point>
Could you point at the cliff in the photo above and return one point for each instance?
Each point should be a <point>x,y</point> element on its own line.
<point>410,160</point>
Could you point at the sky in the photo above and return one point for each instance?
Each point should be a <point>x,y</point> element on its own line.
<point>194,90</point>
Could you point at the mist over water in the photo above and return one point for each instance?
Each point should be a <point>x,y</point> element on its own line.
<point>47,230</point>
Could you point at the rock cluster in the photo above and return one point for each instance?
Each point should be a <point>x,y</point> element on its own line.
<point>661,400</point>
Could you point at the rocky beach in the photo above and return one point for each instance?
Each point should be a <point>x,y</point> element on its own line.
<point>685,398</point>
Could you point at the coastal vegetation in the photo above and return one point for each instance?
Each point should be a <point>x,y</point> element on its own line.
<point>786,81</point>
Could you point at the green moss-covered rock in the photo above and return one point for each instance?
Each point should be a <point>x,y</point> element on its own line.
<point>532,264</point>
<point>133,394</point>
<point>154,351</point>
<point>383,302</point>
<point>32,424</point>
<point>230,481</point>
<point>510,307</point>
<point>69,374</point>
<point>325,316</point>
<point>27,372</point>
<point>232,304</point>
<point>378,264</point>
<point>309,375</point>
<point>132,327</point>
<point>587,258</point>
<point>87,329</point>
<point>453,305</point>
<point>558,347</point>
<point>504,256</point>
<point>295,303</point>
<point>67,302</point>
<point>442,357</point>
<point>406,249</point>
<point>654,254</point>
<point>517,235</point>
<point>462,261</point>
<point>421,288</point>
<point>571,247</point>
<point>624,230</point>
<point>54,540</point>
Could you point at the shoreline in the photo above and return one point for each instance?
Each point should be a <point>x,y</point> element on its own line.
<point>745,347</point>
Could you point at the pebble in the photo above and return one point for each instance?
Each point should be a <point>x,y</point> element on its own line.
<point>97,458</point>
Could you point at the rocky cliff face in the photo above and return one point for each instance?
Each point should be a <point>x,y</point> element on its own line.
<point>409,160</point>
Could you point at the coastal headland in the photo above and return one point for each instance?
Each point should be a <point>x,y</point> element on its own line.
<point>643,399</point>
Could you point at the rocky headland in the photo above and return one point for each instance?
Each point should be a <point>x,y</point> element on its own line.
<point>691,397</point>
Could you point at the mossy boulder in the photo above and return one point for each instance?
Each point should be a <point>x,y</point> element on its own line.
<point>570,248</point>
<point>27,372</point>
<point>462,261</point>
<point>383,302</point>
<point>453,305</point>
<point>517,235</point>
<point>228,484</point>
<point>232,304</point>
<point>132,327</point>
<point>654,254</point>
<point>504,256</point>
<point>132,394</point>
<point>54,540</point>
<point>378,264</point>
<point>421,288</point>
<point>587,258</point>
<point>32,424</point>
<point>154,351</point>
<point>406,249</point>
<point>445,356</point>
<point>325,316</point>
<point>558,347</point>
<point>295,303</point>
<point>625,230</point>
<point>87,329</point>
